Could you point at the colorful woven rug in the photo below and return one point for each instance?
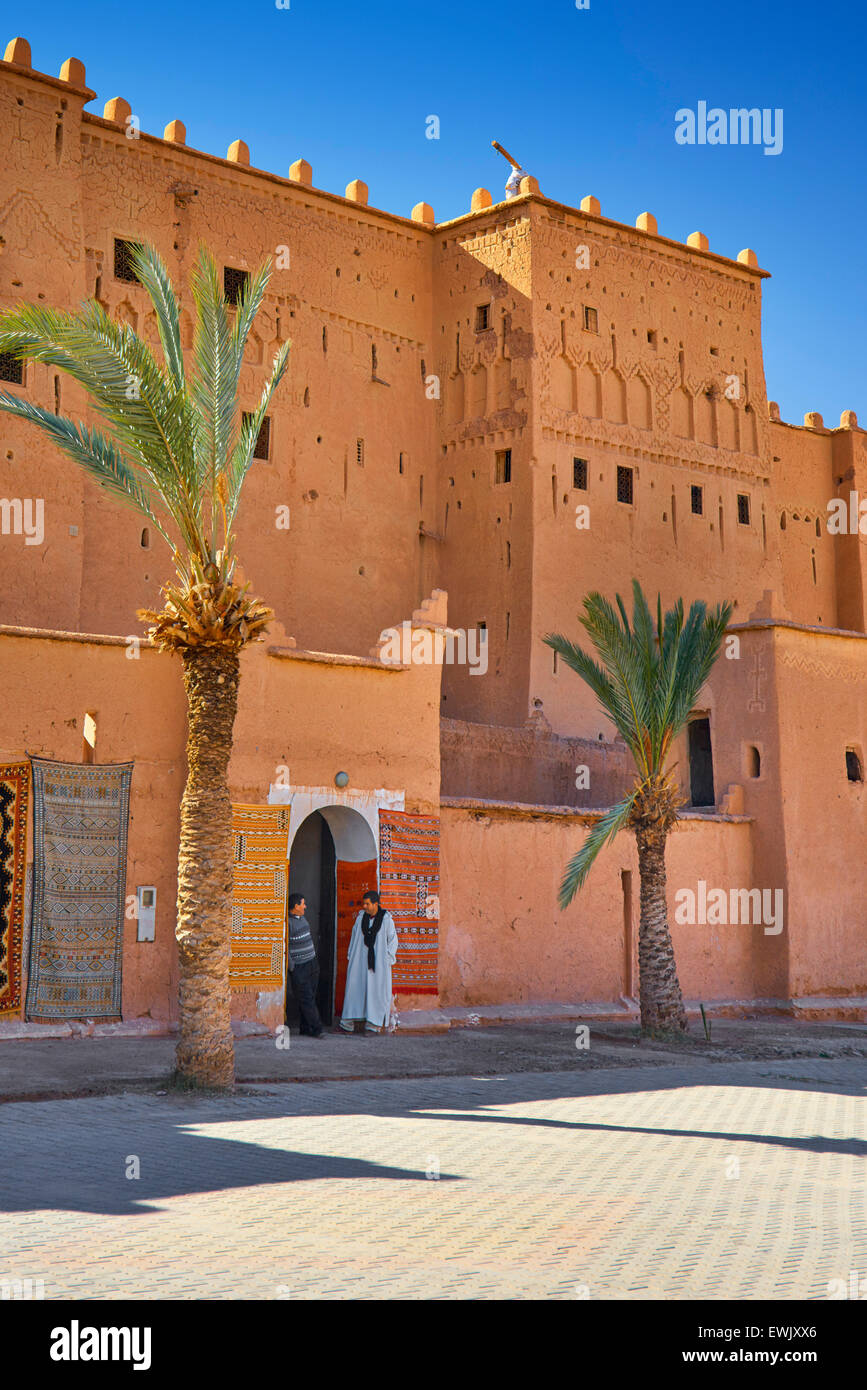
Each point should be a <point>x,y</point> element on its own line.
<point>261,836</point>
<point>80,821</point>
<point>353,881</point>
<point>14,791</point>
<point>409,870</point>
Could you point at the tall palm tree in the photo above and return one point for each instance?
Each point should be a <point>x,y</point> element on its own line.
<point>173,448</point>
<point>647,679</point>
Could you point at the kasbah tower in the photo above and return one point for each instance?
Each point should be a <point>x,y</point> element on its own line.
<point>483,420</point>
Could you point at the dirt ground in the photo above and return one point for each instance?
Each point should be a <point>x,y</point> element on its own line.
<point>43,1069</point>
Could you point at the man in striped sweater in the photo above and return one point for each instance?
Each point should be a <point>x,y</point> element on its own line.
<point>303,966</point>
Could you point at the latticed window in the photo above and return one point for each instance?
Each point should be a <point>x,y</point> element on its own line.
<point>743,509</point>
<point>697,500</point>
<point>624,484</point>
<point>359,451</point>
<point>124,268</point>
<point>233,283</point>
<point>11,369</point>
<point>262,448</point>
<point>503,466</point>
<point>482,315</point>
<point>591,319</point>
<point>579,474</point>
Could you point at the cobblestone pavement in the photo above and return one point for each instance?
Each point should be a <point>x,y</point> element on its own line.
<point>741,1180</point>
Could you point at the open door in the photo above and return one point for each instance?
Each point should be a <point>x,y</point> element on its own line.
<point>353,881</point>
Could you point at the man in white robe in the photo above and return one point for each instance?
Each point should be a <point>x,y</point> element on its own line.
<point>372,953</point>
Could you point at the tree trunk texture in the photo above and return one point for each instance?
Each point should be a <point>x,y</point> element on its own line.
<point>205,1051</point>
<point>659,988</point>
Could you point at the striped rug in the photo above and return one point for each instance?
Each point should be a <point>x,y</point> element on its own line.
<point>14,792</point>
<point>261,835</point>
<point>80,820</point>
<point>409,869</point>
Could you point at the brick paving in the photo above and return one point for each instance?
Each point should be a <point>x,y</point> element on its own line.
<point>737,1180</point>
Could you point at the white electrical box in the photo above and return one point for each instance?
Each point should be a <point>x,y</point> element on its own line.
<point>146,912</point>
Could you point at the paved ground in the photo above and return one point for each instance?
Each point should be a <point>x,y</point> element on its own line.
<point>81,1066</point>
<point>684,1178</point>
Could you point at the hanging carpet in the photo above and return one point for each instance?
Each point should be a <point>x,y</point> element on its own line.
<point>261,838</point>
<point>14,793</point>
<point>409,860</point>
<point>80,824</point>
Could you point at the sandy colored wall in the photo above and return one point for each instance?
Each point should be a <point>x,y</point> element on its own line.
<point>824,814</point>
<point>312,716</point>
<point>366,539</point>
<point>503,936</point>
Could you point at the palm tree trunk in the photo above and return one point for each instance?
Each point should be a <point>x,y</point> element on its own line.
<point>205,1051</point>
<point>659,988</point>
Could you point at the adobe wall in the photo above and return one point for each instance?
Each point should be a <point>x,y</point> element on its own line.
<point>820,680</point>
<point>485,556</point>
<point>356,280</point>
<point>503,937</point>
<point>308,712</point>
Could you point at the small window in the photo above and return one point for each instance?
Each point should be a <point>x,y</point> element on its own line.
<point>651,337</point>
<point>696,500</point>
<point>359,452</point>
<point>373,359</point>
<point>743,509</point>
<point>401,463</point>
<point>754,761</point>
<point>503,466</point>
<point>579,474</point>
<point>262,448</point>
<point>853,766</point>
<point>123,261</point>
<point>591,319</point>
<point>482,317</point>
<point>11,369</point>
<point>234,283</point>
<point>624,484</point>
<point>145,538</point>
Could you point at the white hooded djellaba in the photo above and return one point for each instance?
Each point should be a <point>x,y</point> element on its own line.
<point>368,992</point>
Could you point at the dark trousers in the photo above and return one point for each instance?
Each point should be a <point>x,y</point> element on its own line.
<point>305,982</point>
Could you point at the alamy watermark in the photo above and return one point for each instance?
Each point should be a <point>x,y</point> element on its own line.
<point>423,646</point>
<point>737,126</point>
<point>714,907</point>
<point>23,516</point>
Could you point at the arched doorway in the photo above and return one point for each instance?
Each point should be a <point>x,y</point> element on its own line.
<point>332,861</point>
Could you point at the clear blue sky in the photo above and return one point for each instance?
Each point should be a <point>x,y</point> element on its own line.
<point>586,99</point>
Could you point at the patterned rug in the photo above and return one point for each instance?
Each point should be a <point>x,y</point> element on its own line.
<point>14,791</point>
<point>80,822</point>
<point>409,868</point>
<point>353,881</point>
<point>261,836</point>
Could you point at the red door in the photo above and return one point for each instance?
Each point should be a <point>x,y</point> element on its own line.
<point>353,881</point>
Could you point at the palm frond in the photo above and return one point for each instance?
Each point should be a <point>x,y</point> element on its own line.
<point>242,455</point>
<point>214,382</point>
<point>96,454</point>
<point>152,273</point>
<point>604,830</point>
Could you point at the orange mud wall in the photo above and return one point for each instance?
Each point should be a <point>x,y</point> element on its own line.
<point>503,937</point>
<point>317,716</point>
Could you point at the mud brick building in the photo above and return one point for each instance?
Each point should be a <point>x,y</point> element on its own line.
<point>483,419</point>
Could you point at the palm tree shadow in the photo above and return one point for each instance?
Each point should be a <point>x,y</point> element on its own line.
<point>173,1161</point>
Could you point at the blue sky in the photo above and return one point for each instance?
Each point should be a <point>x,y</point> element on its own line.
<point>586,99</point>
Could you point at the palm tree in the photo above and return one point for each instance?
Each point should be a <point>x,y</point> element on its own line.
<point>172,448</point>
<point>646,680</point>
